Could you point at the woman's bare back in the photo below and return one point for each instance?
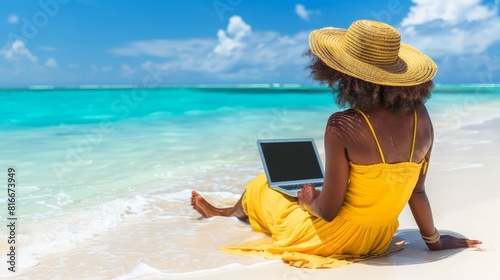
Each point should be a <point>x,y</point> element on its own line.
<point>394,133</point>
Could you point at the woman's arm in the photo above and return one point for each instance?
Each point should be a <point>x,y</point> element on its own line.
<point>422,213</point>
<point>421,208</point>
<point>327,203</point>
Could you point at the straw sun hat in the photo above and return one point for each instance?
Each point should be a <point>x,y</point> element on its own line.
<point>372,51</point>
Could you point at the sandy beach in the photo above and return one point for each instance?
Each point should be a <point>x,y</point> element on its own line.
<point>465,199</point>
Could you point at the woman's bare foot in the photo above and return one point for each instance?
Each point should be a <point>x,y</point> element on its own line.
<point>202,206</point>
<point>207,210</point>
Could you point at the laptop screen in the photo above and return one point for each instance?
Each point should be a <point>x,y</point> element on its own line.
<point>288,161</point>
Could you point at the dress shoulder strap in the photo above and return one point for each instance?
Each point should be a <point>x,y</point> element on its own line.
<point>414,135</point>
<point>374,135</point>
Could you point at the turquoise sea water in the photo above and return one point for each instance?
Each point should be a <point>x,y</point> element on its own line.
<point>62,140</point>
<point>90,163</point>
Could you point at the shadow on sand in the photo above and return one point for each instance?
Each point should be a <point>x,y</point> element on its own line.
<point>415,251</point>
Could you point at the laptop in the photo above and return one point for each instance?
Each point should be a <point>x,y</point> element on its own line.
<point>291,163</point>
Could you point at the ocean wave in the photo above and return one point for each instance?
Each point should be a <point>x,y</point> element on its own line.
<point>67,228</point>
<point>62,232</point>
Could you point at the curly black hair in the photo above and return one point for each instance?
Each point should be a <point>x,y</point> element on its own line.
<point>354,92</point>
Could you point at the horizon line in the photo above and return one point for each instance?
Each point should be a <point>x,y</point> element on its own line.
<point>214,86</point>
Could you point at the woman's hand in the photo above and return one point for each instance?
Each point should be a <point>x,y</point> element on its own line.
<point>452,242</point>
<point>307,195</point>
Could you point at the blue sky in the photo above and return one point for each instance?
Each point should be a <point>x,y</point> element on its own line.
<point>91,42</point>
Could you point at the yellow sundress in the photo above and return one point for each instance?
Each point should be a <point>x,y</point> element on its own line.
<point>363,228</point>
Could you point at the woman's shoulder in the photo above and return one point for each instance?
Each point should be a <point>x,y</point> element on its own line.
<point>342,118</point>
<point>342,122</point>
<point>423,113</point>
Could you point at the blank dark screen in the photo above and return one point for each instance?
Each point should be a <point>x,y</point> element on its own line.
<point>287,161</point>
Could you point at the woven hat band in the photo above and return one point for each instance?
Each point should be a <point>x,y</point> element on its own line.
<point>376,44</point>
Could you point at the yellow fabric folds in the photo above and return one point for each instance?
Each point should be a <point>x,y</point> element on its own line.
<point>364,227</point>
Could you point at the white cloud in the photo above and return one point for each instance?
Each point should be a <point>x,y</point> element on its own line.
<point>17,51</point>
<point>227,41</point>
<point>13,19</point>
<point>304,13</point>
<point>164,48</point>
<point>448,11</point>
<point>481,12</point>
<point>237,30</point>
<point>452,27</point>
<point>238,53</point>
<point>51,62</point>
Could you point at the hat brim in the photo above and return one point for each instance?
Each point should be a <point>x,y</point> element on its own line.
<point>411,68</point>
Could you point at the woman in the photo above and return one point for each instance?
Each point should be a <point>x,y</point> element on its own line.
<point>377,154</point>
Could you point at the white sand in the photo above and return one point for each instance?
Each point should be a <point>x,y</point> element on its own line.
<point>463,189</point>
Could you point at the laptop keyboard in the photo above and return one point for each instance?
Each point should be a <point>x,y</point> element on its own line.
<point>299,186</point>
